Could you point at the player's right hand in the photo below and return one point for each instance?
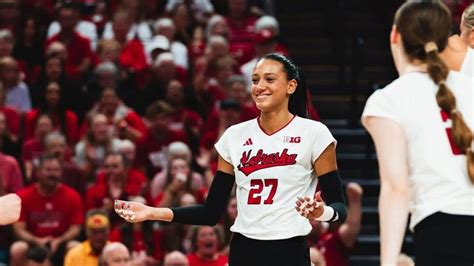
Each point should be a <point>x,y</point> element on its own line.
<point>133,212</point>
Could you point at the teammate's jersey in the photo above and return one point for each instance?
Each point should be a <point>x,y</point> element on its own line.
<point>271,171</point>
<point>438,170</point>
<point>468,63</point>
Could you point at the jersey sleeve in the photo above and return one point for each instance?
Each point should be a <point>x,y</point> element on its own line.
<point>322,140</point>
<point>380,104</point>
<point>222,147</point>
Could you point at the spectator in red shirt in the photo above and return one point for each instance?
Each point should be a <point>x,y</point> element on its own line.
<point>132,54</point>
<point>271,24</point>
<point>336,242</point>
<point>51,213</point>
<point>136,179</point>
<point>241,23</point>
<point>140,28</point>
<point>241,51</point>
<point>33,148</point>
<point>64,120</point>
<point>55,143</point>
<point>179,180</point>
<point>123,122</point>
<point>111,73</point>
<point>11,179</point>
<point>117,184</point>
<point>11,116</point>
<point>236,90</point>
<point>80,57</point>
<point>184,118</point>
<point>91,150</point>
<point>164,70</point>
<point>205,241</point>
<point>177,150</point>
<point>152,153</point>
<point>229,113</point>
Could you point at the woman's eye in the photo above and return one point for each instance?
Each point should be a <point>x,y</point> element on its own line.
<point>254,81</point>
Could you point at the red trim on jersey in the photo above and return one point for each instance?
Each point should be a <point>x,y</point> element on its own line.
<point>261,128</point>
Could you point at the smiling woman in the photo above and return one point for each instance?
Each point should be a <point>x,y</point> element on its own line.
<point>205,242</point>
<point>274,160</point>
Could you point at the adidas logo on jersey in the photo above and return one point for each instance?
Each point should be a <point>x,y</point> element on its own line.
<point>248,142</point>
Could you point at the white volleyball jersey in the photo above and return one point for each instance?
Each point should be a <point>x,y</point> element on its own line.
<point>271,171</point>
<point>468,63</point>
<point>438,171</point>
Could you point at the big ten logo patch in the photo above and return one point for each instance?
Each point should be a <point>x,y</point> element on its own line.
<point>288,139</point>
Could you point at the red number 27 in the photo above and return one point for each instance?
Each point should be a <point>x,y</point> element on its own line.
<point>256,188</point>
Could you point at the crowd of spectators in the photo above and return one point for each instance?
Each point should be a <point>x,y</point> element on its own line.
<point>121,99</point>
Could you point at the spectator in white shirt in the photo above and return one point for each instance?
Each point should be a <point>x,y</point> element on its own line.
<point>165,27</point>
<point>83,27</point>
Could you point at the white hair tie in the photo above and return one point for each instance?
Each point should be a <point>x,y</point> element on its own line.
<point>430,47</point>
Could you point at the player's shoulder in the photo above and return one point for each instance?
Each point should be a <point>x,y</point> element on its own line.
<point>459,79</point>
<point>309,124</point>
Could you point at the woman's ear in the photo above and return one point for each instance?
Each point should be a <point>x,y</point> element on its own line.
<point>394,35</point>
<point>292,86</point>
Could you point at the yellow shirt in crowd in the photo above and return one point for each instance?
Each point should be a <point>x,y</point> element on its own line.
<point>81,255</point>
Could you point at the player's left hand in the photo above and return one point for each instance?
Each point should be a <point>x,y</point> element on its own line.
<point>310,208</point>
<point>132,212</point>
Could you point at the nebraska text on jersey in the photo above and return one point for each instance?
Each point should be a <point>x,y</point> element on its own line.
<point>249,164</point>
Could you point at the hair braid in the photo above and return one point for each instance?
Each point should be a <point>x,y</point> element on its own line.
<point>462,134</point>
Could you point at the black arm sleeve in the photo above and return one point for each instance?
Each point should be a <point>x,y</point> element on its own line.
<point>213,208</point>
<point>331,186</point>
